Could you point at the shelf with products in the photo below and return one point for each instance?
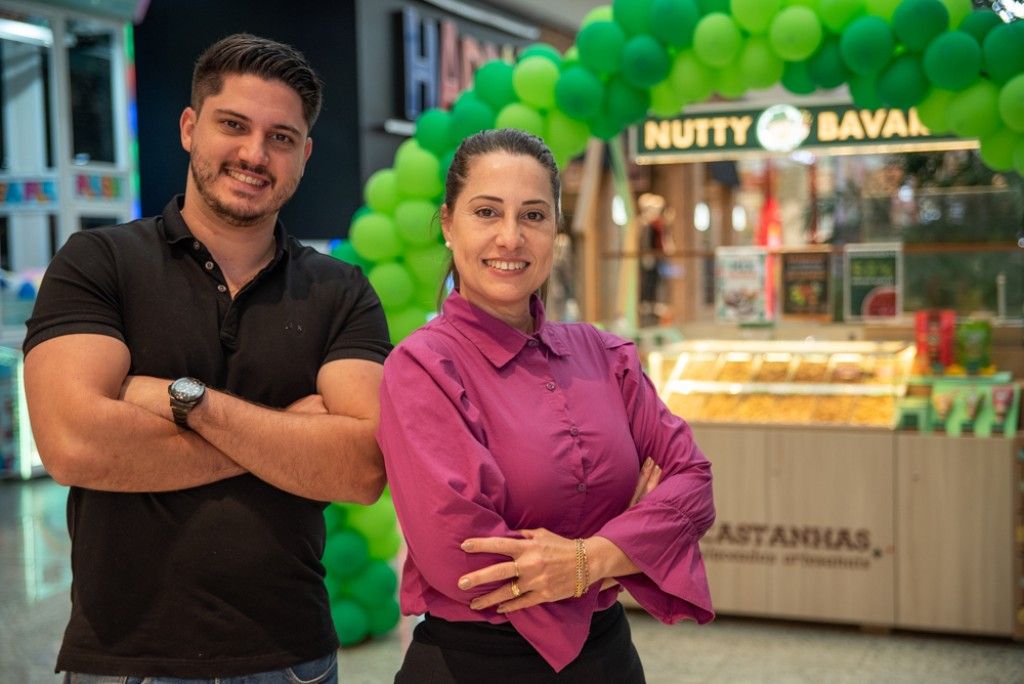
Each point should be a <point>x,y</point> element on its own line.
<point>784,382</point>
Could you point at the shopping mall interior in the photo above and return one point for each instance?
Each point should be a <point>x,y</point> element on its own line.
<point>807,215</point>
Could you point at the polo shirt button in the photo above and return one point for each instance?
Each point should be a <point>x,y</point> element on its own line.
<point>550,386</point>
<point>581,487</point>
<point>208,265</point>
<point>574,431</point>
<point>222,288</point>
<point>196,245</point>
<point>532,343</point>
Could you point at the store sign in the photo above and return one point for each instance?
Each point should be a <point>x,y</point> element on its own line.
<point>805,293</point>
<point>839,128</point>
<point>758,543</point>
<point>438,62</point>
<point>98,187</point>
<point>28,193</point>
<point>873,280</point>
<point>740,284</point>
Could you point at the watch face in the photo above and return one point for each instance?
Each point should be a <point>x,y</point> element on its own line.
<point>187,389</point>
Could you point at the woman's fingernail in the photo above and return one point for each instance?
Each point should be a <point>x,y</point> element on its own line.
<point>466,546</point>
<point>463,583</point>
<point>502,609</point>
<point>474,605</point>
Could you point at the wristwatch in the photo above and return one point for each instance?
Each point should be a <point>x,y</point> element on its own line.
<point>185,393</point>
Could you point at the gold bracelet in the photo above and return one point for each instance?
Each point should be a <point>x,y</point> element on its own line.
<point>582,569</point>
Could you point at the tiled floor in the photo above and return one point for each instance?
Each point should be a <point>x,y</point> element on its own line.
<point>34,580</point>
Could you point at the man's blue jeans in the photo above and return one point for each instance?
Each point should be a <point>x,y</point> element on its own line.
<point>320,671</point>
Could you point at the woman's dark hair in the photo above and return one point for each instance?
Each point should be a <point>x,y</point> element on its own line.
<point>508,140</point>
<point>246,54</point>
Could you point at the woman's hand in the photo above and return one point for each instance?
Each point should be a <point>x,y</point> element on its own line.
<point>650,475</point>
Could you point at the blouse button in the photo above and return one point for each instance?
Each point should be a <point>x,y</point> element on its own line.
<point>581,487</point>
<point>208,265</point>
<point>574,431</point>
<point>531,343</point>
<point>550,386</point>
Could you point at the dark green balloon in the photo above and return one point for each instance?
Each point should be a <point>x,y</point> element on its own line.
<point>953,61</point>
<point>797,79</point>
<point>864,91</point>
<point>903,83</point>
<point>978,23</point>
<point>470,115</point>
<point>579,93</point>
<point>634,16</point>
<point>917,22</point>
<point>673,21</point>
<point>383,617</point>
<point>350,622</point>
<point>433,130</point>
<point>345,554</point>
<point>375,584</point>
<point>709,6</point>
<point>625,103</point>
<point>1004,52</point>
<point>600,45</point>
<point>493,84</point>
<point>866,45</point>
<point>644,61</point>
<point>827,67</point>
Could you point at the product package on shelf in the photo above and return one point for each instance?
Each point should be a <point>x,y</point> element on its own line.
<point>784,382</point>
<point>980,404</point>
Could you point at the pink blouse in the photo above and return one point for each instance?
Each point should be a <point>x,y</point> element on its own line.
<point>486,430</point>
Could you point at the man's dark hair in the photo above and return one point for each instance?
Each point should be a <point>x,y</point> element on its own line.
<point>246,54</point>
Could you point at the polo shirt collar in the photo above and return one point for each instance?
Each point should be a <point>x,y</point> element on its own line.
<point>498,341</point>
<point>176,230</point>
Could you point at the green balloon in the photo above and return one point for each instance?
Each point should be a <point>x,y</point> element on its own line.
<point>1011,103</point>
<point>953,61</point>
<point>604,126</point>
<point>755,16</point>
<point>416,224</point>
<point>385,546</point>
<point>625,104</point>
<point>634,16</point>
<point>836,15</point>
<point>428,264</point>
<point>665,102</point>
<point>345,554</point>
<point>347,253</point>
<point>974,112</point>
<point>392,283</point>
<point>381,191</point>
<point>917,22</point>
<point>350,622</point>
<point>866,45</point>
<point>712,6</point>
<point>882,8</point>
<point>864,92</point>
<point>401,324</point>
<point>958,11</point>
<point>1018,156</point>
<point>797,79</point>
<point>334,518</point>
<point>433,131</point>
<point>903,83</point>
<point>1004,52</point>
<point>997,149</point>
<point>383,617</point>
<point>812,4</point>
<point>579,93</point>
<point>493,84</point>
<point>644,61</point>
<point>375,584</point>
<point>522,117</point>
<point>692,80</point>
<point>978,23</point>
<point>568,135</point>
<point>376,519</point>
<point>730,84</point>
<point>932,110</point>
<point>470,115</point>
<point>759,65</point>
<point>570,58</point>
<point>600,13</point>
<point>374,239</point>
<point>795,33</point>
<point>674,21</point>
<point>600,44</point>
<point>827,67</point>
<point>446,163</point>
<point>717,40</point>
<point>534,80</point>
<point>548,52</point>
<point>418,173</point>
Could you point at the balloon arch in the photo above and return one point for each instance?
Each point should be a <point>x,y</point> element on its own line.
<point>962,68</point>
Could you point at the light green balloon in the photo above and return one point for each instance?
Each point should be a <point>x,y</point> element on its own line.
<point>974,112</point>
<point>568,135</point>
<point>1011,103</point>
<point>522,117</point>
<point>958,11</point>
<point>374,238</point>
<point>759,65</point>
<point>418,173</point>
<point>393,285</point>
<point>836,15</point>
<point>932,110</point>
<point>717,41</point>
<point>795,33</point>
<point>416,222</point>
<point>755,16</point>
<point>404,322</point>
<point>534,81</point>
<point>882,8</point>
<point>692,80</point>
<point>381,191</point>
<point>730,83</point>
<point>600,13</point>
<point>1018,156</point>
<point>427,265</point>
<point>997,149</point>
<point>665,102</point>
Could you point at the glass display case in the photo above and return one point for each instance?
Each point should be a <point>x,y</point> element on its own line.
<point>784,382</point>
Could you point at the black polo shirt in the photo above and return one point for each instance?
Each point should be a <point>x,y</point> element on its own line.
<point>223,579</point>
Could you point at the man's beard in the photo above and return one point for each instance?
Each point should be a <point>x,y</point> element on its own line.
<point>204,177</point>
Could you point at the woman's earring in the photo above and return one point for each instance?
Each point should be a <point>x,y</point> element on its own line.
<point>447,244</point>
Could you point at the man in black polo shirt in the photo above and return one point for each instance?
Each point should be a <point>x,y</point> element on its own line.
<point>195,508</point>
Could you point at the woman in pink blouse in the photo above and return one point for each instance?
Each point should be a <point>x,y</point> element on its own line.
<point>532,465</point>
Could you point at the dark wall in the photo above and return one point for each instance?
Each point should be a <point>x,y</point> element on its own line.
<point>167,44</point>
